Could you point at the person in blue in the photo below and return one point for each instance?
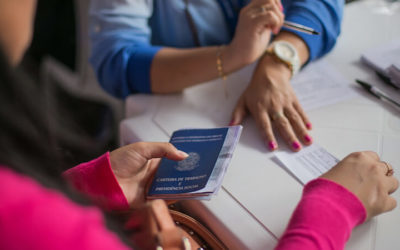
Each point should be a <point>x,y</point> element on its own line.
<point>164,46</point>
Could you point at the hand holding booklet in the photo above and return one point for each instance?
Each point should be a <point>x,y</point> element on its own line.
<point>200,175</point>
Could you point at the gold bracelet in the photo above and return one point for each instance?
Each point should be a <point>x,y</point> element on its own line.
<point>219,63</point>
<point>221,69</point>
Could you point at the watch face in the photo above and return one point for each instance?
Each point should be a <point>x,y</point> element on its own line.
<point>287,53</point>
<point>284,51</point>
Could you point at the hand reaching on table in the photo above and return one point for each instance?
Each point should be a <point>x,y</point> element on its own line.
<point>272,102</point>
<point>370,179</point>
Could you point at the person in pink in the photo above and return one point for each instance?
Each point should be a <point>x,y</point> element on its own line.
<point>43,208</point>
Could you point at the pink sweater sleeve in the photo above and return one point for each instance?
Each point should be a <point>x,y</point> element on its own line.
<point>34,217</point>
<point>96,179</point>
<point>323,219</point>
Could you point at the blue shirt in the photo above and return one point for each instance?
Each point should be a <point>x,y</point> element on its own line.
<point>126,34</point>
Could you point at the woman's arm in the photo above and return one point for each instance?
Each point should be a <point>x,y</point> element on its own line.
<point>126,62</point>
<point>34,217</point>
<point>324,16</point>
<point>269,97</point>
<point>355,190</point>
<point>174,69</point>
<point>323,219</point>
<point>97,180</point>
<point>118,180</point>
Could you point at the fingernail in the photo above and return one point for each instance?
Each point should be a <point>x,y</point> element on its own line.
<point>272,145</point>
<point>275,31</point>
<point>281,7</point>
<point>308,138</point>
<point>183,154</point>
<point>309,125</point>
<point>296,145</point>
<point>232,122</point>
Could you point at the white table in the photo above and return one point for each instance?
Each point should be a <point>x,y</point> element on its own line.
<point>258,196</point>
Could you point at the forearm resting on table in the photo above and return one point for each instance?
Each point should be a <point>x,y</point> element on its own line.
<point>173,69</point>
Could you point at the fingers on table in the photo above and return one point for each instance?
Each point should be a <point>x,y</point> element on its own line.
<point>285,128</point>
<point>391,183</point>
<point>289,124</point>
<point>298,125</point>
<point>302,114</point>
<point>390,204</point>
<point>239,113</point>
<point>371,154</point>
<point>264,123</point>
<point>391,186</point>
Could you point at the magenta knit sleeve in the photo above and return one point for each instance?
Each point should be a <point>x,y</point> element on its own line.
<point>97,180</point>
<point>324,218</point>
<point>35,217</point>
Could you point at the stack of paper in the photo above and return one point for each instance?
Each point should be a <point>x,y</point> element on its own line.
<point>200,175</point>
<point>386,60</point>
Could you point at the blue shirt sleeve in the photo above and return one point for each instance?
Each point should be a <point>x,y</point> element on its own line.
<point>121,52</point>
<point>325,16</point>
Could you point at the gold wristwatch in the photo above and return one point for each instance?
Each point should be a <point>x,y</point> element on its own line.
<point>286,53</point>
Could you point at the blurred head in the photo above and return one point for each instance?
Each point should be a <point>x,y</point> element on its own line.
<point>16,27</point>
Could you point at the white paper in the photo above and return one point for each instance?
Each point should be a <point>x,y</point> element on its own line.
<point>320,84</point>
<point>380,58</point>
<point>309,163</point>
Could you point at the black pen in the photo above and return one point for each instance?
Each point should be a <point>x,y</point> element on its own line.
<point>299,27</point>
<point>386,80</point>
<point>377,93</point>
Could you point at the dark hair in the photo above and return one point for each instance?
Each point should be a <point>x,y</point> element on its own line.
<point>28,141</point>
<point>25,140</point>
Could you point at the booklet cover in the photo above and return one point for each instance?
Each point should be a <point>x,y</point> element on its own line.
<point>200,174</point>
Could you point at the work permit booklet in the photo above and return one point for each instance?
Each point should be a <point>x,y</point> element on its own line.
<point>200,175</point>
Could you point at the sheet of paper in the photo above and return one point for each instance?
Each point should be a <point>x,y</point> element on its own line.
<point>320,84</point>
<point>383,56</point>
<point>309,163</point>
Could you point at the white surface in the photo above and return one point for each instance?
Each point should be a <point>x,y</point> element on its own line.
<point>226,209</point>
<point>258,195</point>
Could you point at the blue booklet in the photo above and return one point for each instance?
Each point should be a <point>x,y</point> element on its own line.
<point>200,175</point>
